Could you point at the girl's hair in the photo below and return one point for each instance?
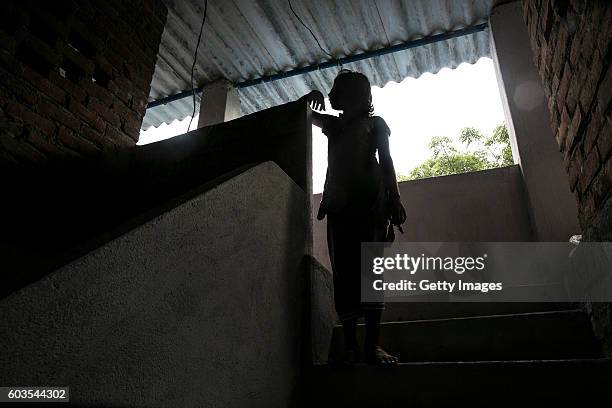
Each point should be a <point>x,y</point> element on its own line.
<point>360,88</point>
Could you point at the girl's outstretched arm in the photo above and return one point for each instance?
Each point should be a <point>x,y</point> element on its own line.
<point>316,101</point>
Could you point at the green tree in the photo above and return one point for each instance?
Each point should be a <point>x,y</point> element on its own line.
<point>475,152</point>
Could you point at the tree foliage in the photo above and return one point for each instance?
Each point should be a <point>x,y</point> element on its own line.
<point>472,151</point>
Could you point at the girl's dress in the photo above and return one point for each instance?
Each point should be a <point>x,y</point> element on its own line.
<point>355,201</point>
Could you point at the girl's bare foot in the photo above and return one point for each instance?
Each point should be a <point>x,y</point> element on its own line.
<point>377,355</point>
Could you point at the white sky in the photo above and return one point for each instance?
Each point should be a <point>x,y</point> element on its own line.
<point>415,110</point>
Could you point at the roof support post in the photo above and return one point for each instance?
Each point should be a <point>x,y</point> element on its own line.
<point>553,210</point>
<point>220,103</point>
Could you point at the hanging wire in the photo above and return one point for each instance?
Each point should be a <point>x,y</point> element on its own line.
<point>311,33</point>
<point>195,58</point>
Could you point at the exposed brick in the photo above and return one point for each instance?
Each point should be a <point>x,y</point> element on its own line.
<point>120,48</point>
<point>19,112</point>
<point>58,114</point>
<point>131,128</point>
<point>135,86</point>
<point>586,208</point>
<point>71,140</point>
<point>546,19</point>
<point>18,88</point>
<point>592,164</point>
<point>107,53</point>
<point>43,50</point>
<point>589,86</point>
<point>564,84</point>
<point>574,171</point>
<point>605,34</point>
<point>8,160</point>
<point>605,91</point>
<point>159,12</point>
<point>139,103</point>
<point>588,43</point>
<point>104,111</point>
<point>103,65</point>
<point>547,88</point>
<point>121,92</point>
<point>592,133</point>
<point>5,96</point>
<point>555,84</point>
<point>20,149</point>
<point>88,115</point>
<point>95,137</point>
<point>70,88</point>
<point>44,85</point>
<point>561,134</point>
<point>119,137</point>
<point>40,14</point>
<point>48,144</point>
<point>98,92</point>
<point>575,49</point>
<point>7,42</point>
<point>119,108</point>
<point>78,59</point>
<point>97,40</point>
<point>8,61</point>
<point>571,98</point>
<point>554,115</point>
<point>560,49</point>
<point>9,124</point>
<point>545,61</point>
<point>525,7</point>
<point>576,155</point>
<point>604,141</point>
<point>602,184</point>
<point>573,129</point>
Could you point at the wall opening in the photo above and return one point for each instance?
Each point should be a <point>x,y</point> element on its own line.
<point>444,123</point>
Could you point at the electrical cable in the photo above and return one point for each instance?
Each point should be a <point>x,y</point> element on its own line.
<point>311,33</point>
<point>195,58</point>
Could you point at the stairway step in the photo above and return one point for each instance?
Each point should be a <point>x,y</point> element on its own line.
<point>395,312</point>
<point>544,335</point>
<point>486,383</point>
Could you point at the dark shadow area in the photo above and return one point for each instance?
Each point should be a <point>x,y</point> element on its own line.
<point>54,213</point>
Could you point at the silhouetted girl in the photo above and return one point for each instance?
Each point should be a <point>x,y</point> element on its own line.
<point>360,198</point>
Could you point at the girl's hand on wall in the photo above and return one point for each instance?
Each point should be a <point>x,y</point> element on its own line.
<point>316,100</point>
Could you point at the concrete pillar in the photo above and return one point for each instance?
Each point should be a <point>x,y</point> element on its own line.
<point>220,103</point>
<point>553,209</point>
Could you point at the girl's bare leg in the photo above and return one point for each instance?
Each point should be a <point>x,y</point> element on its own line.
<point>350,341</point>
<point>375,354</point>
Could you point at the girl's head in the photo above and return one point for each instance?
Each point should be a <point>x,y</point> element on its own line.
<point>351,92</point>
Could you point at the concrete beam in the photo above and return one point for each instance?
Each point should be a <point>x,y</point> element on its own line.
<point>220,103</point>
<point>553,210</point>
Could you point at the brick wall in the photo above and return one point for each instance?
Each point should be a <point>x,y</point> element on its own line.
<point>74,75</point>
<point>571,44</point>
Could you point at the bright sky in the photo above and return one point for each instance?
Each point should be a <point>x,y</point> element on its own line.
<point>415,110</point>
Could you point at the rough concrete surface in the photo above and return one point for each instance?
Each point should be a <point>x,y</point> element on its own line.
<point>199,307</point>
<point>323,313</point>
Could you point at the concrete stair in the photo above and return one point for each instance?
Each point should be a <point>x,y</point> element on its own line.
<point>546,358</point>
<point>541,383</point>
<point>408,311</point>
<point>544,335</point>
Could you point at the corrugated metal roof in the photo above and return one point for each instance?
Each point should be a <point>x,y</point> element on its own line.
<point>246,39</point>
